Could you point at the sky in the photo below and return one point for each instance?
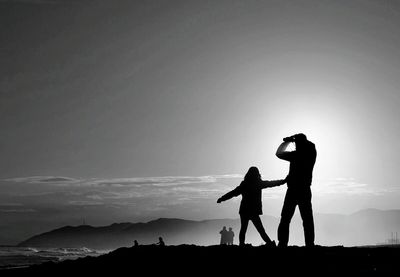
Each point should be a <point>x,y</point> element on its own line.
<point>116,111</point>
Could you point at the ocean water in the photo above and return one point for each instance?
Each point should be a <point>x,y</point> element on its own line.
<point>11,256</point>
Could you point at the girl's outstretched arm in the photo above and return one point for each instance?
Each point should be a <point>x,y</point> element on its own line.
<point>236,192</point>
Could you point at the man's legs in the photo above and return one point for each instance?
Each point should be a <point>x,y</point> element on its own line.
<point>306,213</point>
<point>289,206</point>
<point>244,222</point>
<point>260,228</point>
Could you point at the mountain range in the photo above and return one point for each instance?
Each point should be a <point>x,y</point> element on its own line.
<point>366,227</point>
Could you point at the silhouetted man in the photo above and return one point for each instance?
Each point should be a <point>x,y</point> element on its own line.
<point>224,236</point>
<point>299,180</point>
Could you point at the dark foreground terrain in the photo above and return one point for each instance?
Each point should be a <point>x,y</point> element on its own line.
<point>186,260</point>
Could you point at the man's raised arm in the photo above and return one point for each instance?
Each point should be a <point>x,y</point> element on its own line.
<point>282,154</point>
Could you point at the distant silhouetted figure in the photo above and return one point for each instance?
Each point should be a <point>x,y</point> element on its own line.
<point>160,242</point>
<point>251,207</point>
<point>224,236</point>
<point>230,236</point>
<point>135,243</point>
<point>299,180</point>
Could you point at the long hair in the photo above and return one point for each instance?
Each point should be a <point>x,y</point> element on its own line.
<point>252,175</point>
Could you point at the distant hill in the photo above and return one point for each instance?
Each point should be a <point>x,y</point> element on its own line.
<point>174,231</point>
<point>366,227</point>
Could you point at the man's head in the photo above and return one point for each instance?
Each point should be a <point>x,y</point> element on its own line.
<point>300,137</point>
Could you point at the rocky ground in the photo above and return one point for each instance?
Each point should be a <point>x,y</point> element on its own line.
<point>186,260</point>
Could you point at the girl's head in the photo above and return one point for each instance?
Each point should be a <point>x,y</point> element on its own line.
<point>252,175</point>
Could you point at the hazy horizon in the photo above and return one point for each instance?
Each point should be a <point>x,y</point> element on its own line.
<point>131,110</point>
<point>364,228</point>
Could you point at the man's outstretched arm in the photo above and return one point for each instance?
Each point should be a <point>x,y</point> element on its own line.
<point>229,195</point>
<point>282,154</point>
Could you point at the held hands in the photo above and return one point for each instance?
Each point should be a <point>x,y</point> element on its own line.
<point>271,184</point>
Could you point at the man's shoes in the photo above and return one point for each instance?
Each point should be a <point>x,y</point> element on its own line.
<point>310,245</point>
<point>282,245</point>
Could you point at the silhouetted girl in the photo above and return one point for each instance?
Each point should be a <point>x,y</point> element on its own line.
<point>251,207</point>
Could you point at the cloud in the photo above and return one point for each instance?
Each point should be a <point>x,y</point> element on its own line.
<point>90,191</point>
<point>57,180</point>
<point>37,194</point>
<point>142,193</point>
<point>347,186</point>
<point>165,181</point>
<point>17,210</point>
<point>44,180</point>
<point>100,195</point>
<point>85,203</point>
<point>41,2</point>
